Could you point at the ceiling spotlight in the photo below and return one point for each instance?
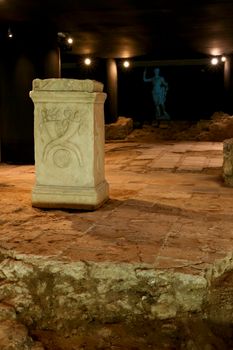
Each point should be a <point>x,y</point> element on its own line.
<point>223,58</point>
<point>126,64</point>
<point>70,40</point>
<point>61,35</point>
<point>214,61</point>
<point>9,33</point>
<point>65,41</point>
<point>87,61</point>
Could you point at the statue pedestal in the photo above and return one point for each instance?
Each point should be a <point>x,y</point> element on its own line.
<point>69,144</point>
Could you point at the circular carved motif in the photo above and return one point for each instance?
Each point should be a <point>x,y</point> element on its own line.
<point>62,158</point>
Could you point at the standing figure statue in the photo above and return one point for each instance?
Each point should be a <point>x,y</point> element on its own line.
<point>159,93</point>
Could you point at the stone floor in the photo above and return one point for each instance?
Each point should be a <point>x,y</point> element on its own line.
<point>168,209</point>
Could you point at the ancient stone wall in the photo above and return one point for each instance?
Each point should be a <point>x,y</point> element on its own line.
<point>74,300</point>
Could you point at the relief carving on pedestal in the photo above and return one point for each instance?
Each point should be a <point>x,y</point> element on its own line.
<point>60,126</point>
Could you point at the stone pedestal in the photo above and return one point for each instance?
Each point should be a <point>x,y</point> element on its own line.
<point>228,162</point>
<point>69,144</point>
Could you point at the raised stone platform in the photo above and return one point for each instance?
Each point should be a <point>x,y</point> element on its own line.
<point>151,269</point>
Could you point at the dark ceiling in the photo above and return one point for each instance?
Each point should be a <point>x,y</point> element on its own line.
<point>125,28</point>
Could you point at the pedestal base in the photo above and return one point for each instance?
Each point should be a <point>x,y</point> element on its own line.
<point>86,198</point>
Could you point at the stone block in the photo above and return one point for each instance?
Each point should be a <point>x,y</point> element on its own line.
<point>228,162</point>
<point>119,130</point>
<point>69,144</point>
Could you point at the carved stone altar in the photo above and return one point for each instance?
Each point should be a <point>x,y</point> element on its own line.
<point>69,144</point>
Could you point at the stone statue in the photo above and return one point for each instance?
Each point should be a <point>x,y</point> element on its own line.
<point>159,93</point>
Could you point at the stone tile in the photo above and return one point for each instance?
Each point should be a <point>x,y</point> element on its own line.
<point>215,162</point>
<point>44,245</point>
<point>139,203</point>
<point>174,195</point>
<point>183,253</point>
<point>95,255</point>
<point>190,168</point>
<point>140,162</point>
<point>147,254</point>
<point>20,236</point>
<point>148,156</point>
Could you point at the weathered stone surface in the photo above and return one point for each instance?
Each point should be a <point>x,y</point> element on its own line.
<point>66,298</point>
<point>51,84</point>
<point>119,130</point>
<point>14,336</point>
<point>228,162</point>
<point>69,144</point>
<point>7,312</point>
<point>107,291</point>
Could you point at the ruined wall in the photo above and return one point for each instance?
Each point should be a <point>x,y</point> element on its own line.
<point>116,306</point>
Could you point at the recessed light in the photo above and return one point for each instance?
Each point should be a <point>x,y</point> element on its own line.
<point>126,64</point>
<point>214,61</point>
<point>70,40</point>
<point>9,33</point>
<point>87,61</point>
